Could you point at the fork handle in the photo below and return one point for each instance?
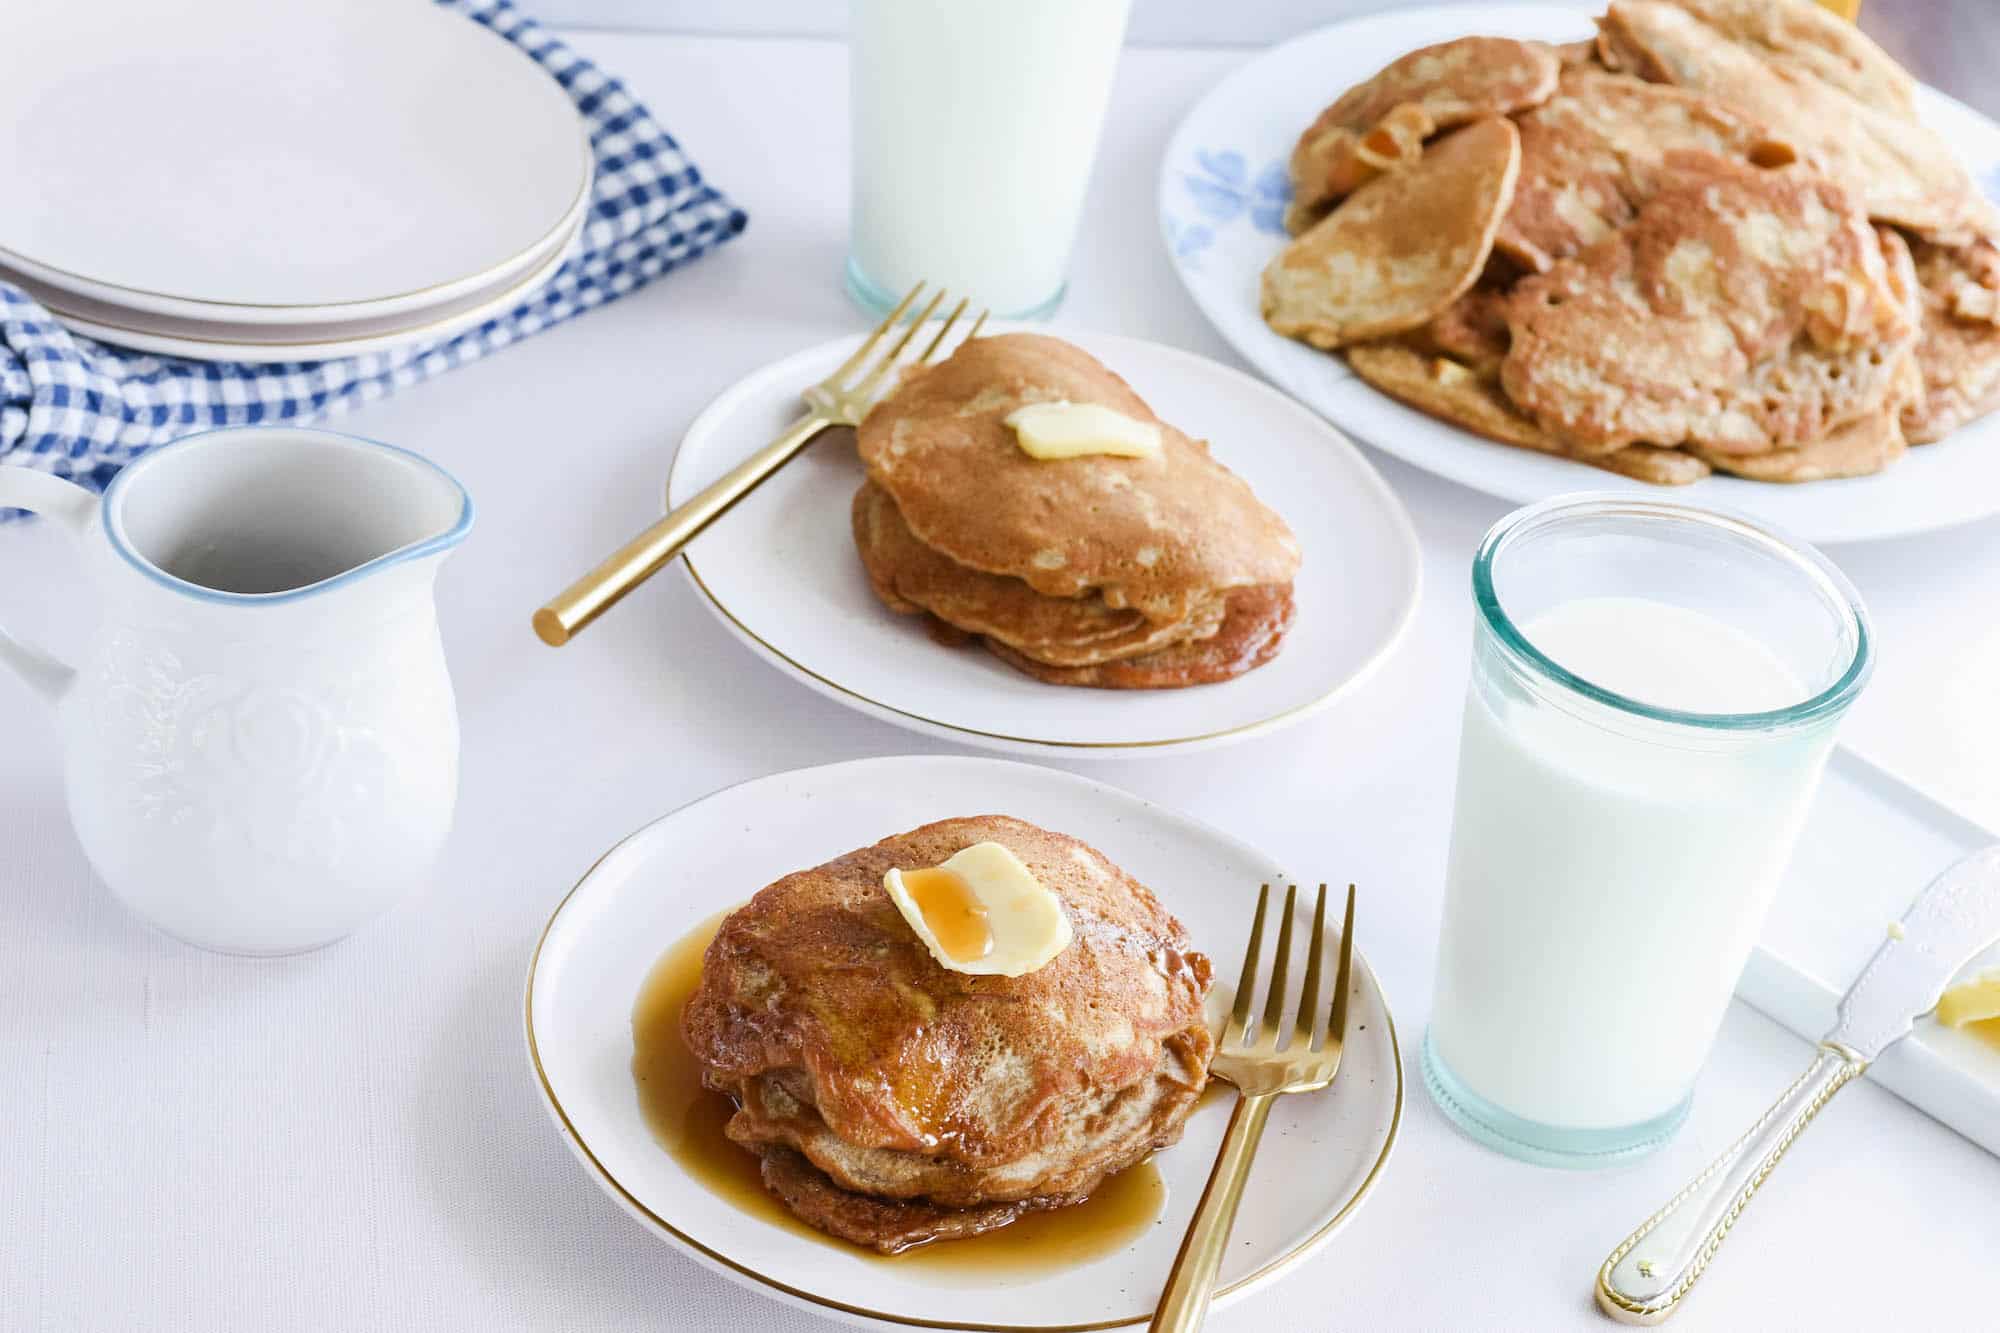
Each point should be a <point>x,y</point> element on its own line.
<point>639,559</point>
<point>1184,1303</point>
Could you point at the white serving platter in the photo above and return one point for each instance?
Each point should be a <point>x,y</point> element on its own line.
<point>1222,189</point>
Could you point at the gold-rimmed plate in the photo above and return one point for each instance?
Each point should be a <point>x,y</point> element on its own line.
<point>1324,1153</point>
<point>781,573</point>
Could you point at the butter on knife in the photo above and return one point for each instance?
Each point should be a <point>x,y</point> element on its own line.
<point>1972,1001</point>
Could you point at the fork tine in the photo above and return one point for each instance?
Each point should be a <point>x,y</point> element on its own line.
<point>950,320</point>
<point>874,377</point>
<point>1336,1026</point>
<point>977,325</point>
<point>1239,1016</point>
<point>853,363</point>
<point>1274,1004</point>
<point>1302,1032</point>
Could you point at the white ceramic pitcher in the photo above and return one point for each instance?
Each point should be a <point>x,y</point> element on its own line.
<point>260,745</point>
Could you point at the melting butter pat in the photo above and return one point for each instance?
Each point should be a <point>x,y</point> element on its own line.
<point>1973,1001</point>
<point>981,912</point>
<point>1072,430</point>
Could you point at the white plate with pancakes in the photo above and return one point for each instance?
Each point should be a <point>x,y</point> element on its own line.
<point>667,884</point>
<point>1222,194</point>
<point>780,570</point>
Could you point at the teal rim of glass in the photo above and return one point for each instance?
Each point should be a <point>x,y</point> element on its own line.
<point>1532,1141</point>
<point>1828,703</point>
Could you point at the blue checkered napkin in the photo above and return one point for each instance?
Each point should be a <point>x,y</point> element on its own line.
<point>82,409</point>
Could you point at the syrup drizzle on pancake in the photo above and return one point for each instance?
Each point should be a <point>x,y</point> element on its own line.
<point>956,917</point>
<point>687,1119</point>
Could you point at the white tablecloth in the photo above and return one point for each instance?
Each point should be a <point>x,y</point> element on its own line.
<point>352,1140</point>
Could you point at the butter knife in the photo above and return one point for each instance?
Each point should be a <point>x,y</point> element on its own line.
<point>1644,1280</point>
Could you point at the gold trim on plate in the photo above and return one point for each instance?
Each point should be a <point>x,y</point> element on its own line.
<point>1247,729</point>
<point>1314,420</point>
<point>1268,1271</point>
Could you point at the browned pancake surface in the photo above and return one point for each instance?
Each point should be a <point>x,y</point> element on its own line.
<point>819,987</point>
<point>1380,121</point>
<point>1811,38</point>
<point>1902,172</point>
<point>1103,1131</point>
<point>1854,450</point>
<point>1591,155</point>
<point>1464,396</point>
<point>1741,310</point>
<point>887,1225</point>
<point>1253,628</point>
<point>1959,353</point>
<point>910,577</point>
<point>1401,248</point>
<point>1160,535</point>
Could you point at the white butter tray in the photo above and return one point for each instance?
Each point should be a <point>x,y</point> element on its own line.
<point>1872,843</point>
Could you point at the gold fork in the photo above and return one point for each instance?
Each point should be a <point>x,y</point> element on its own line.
<point>841,399</point>
<point>1283,1058</point>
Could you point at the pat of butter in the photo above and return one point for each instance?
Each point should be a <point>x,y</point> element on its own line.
<point>982,912</point>
<point>1072,430</point>
<point>1973,1001</point>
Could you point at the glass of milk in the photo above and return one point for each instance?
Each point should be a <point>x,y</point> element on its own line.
<point>975,123</point>
<point>1654,691</point>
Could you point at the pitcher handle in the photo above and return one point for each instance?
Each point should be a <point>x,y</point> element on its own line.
<point>72,508</point>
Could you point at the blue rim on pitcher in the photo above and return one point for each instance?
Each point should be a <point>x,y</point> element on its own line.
<point>1828,703</point>
<point>114,525</point>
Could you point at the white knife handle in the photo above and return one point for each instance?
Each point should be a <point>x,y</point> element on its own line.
<point>1644,1279</point>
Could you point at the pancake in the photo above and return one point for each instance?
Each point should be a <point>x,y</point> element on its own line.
<point>911,578</point>
<point>1591,155</point>
<point>1471,331</point>
<point>1253,627</point>
<point>887,1225</point>
<point>1901,172</point>
<point>1855,450</point>
<point>1159,535</point>
<point>1959,353</point>
<point>1816,41</point>
<point>1461,395</point>
<point>1382,123</point>
<point>1106,1131</point>
<point>1401,248</point>
<point>841,1038</point>
<point>1741,310</point>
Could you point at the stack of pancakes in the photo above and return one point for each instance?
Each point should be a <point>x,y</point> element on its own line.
<point>1132,573</point>
<point>1715,237</point>
<point>893,1101</point>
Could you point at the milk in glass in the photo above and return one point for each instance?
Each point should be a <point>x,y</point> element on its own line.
<point>974,129</point>
<point>1604,889</point>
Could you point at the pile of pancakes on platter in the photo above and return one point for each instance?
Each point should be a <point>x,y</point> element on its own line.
<point>1715,237</point>
<point>1098,570</point>
<point>893,1101</point>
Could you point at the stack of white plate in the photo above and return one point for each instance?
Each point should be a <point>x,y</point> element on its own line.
<point>244,181</point>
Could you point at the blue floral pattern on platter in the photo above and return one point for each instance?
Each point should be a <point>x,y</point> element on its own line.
<point>1221,190</point>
